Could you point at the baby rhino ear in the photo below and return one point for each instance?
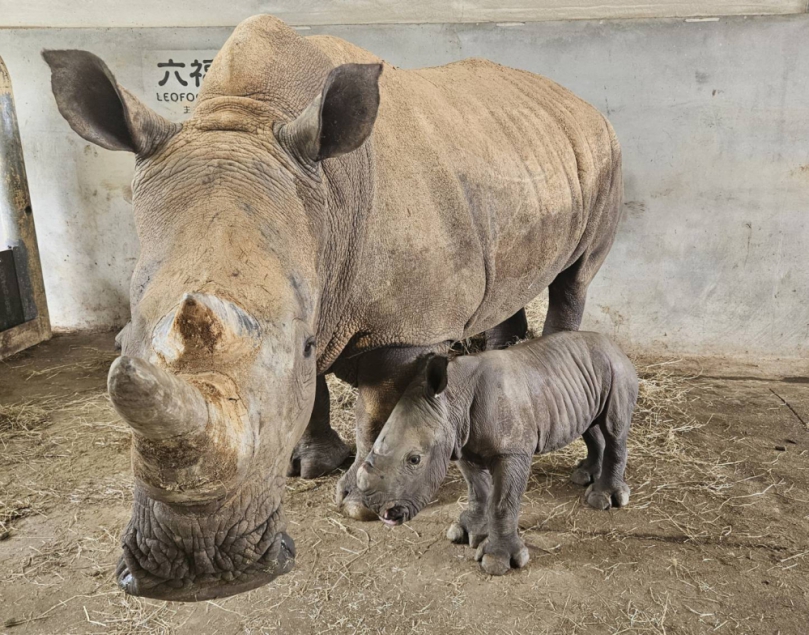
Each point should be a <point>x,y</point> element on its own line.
<point>436,375</point>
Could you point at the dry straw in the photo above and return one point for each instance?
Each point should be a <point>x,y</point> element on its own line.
<point>346,570</point>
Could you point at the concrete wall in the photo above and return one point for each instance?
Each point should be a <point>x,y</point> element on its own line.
<point>183,13</point>
<point>713,117</point>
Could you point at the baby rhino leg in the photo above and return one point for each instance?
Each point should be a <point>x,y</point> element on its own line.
<point>589,469</point>
<point>503,548</point>
<point>473,526</point>
<point>609,489</point>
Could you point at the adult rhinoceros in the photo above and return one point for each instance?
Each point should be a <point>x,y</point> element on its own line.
<point>281,239</point>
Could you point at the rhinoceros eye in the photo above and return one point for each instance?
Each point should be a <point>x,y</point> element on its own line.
<point>415,459</point>
<point>309,346</point>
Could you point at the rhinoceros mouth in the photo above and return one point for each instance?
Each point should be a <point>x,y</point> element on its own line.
<point>190,554</point>
<point>278,560</point>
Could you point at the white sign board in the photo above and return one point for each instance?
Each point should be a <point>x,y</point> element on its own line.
<point>171,80</point>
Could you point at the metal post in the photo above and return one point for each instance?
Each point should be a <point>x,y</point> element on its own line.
<point>17,231</point>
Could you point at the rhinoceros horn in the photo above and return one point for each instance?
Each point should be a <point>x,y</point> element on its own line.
<point>203,326</point>
<point>190,444</point>
<point>157,404</point>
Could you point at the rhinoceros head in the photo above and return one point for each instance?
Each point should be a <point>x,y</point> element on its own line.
<point>411,455</point>
<point>237,226</point>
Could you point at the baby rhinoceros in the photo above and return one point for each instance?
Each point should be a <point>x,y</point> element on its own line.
<point>491,412</point>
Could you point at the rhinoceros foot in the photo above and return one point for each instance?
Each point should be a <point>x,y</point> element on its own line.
<point>498,557</point>
<point>603,497</point>
<point>586,472</point>
<point>470,529</point>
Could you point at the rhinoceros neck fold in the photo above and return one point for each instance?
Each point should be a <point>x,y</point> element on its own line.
<point>350,193</point>
<point>459,394</point>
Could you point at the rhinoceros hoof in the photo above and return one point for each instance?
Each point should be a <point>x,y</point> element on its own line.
<point>458,534</point>
<point>494,564</point>
<point>470,529</point>
<point>499,559</point>
<point>599,498</point>
<point>581,476</point>
<point>316,458</point>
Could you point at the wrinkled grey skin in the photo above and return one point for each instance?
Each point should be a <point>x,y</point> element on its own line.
<point>491,412</point>
<point>320,211</point>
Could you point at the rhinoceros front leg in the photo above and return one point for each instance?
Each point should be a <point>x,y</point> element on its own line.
<point>382,377</point>
<point>472,526</point>
<point>508,332</point>
<point>503,548</point>
<point>320,449</point>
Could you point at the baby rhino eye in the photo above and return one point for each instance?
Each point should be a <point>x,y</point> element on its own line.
<point>414,460</point>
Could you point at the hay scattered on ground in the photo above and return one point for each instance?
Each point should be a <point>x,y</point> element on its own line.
<point>13,510</point>
<point>93,360</point>
<point>21,418</point>
<point>344,585</point>
<point>37,451</point>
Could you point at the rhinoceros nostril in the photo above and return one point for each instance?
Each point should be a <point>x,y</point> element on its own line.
<point>287,549</point>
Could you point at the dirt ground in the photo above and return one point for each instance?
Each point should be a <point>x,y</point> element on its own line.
<point>715,538</point>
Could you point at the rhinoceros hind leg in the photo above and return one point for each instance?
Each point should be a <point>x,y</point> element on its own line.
<point>566,298</point>
<point>320,449</point>
<point>589,469</point>
<point>568,291</point>
<point>609,489</point>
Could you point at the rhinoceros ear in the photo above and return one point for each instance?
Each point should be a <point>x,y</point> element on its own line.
<point>341,118</point>
<point>99,110</point>
<point>436,373</point>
